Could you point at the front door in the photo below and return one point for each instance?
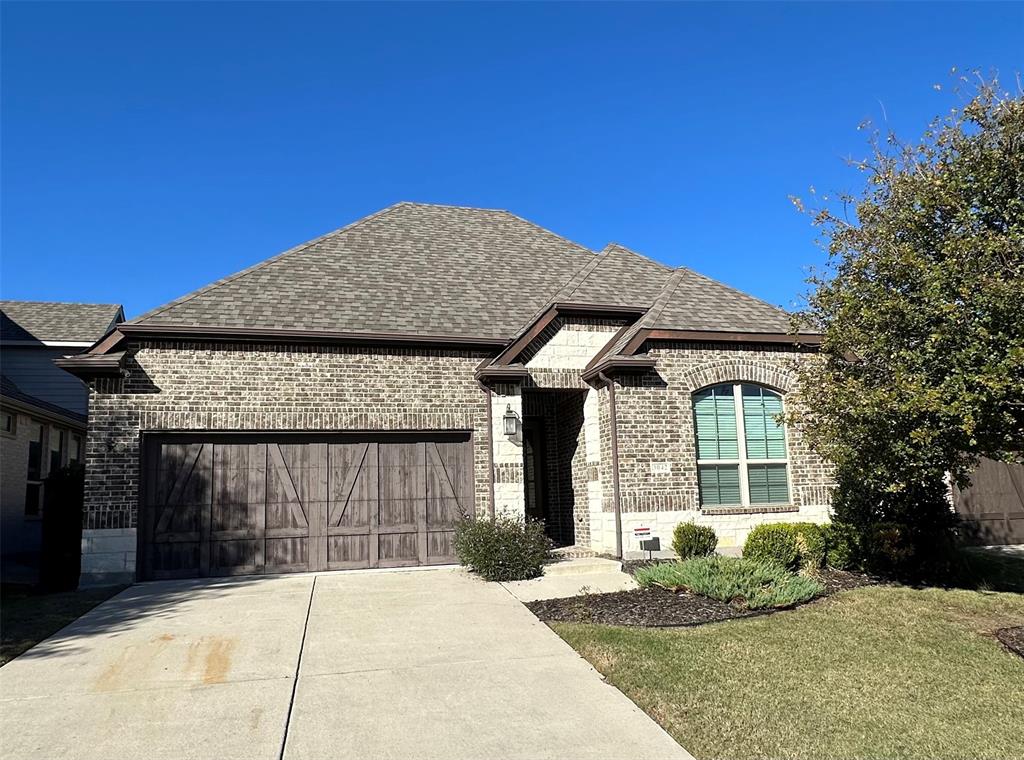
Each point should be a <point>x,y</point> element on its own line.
<point>533,468</point>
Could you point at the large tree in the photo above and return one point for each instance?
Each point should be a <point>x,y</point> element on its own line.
<point>921,308</point>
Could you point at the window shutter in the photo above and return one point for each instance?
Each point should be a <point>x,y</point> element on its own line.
<point>767,484</point>
<point>719,484</point>
<point>715,418</point>
<point>766,438</point>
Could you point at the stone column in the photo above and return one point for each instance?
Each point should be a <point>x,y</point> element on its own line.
<point>509,488</point>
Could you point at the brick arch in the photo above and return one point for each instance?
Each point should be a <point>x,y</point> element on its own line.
<point>732,371</point>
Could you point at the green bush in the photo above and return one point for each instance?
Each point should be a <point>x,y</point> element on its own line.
<point>842,546</point>
<point>795,546</point>
<point>889,548</point>
<point>810,544</point>
<point>744,582</point>
<point>503,550</point>
<point>691,540</point>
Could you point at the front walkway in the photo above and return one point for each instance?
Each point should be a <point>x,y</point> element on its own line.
<point>415,664</point>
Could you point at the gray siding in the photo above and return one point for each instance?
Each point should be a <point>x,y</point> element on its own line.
<point>19,535</point>
<point>33,371</point>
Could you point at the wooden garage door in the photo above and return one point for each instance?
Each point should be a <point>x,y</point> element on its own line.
<point>993,505</point>
<point>243,505</point>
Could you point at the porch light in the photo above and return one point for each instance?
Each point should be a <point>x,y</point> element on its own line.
<point>511,419</point>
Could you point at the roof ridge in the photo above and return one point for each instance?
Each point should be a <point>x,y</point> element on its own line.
<point>559,295</point>
<point>734,290</point>
<point>621,247</point>
<point>670,287</point>
<point>650,318</point>
<point>61,303</point>
<point>505,211</point>
<point>586,270</point>
<point>423,204</point>
<point>266,262</point>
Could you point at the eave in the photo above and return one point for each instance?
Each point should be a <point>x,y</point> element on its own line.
<point>513,372</point>
<point>272,335</point>
<point>614,365</point>
<point>720,336</point>
<point>86,366</point>
<point>510,354</point>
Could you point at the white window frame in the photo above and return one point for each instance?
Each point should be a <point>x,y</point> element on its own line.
<point>741,448</point>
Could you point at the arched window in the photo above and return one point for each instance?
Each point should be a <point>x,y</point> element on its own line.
<point>741,448</point>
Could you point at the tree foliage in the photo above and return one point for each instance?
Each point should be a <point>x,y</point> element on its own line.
<point>921,309</point>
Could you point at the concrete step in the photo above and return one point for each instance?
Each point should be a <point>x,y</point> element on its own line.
<point>583,566</point>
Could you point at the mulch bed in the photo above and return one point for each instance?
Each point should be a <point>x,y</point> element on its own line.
<point>656,607</point>
<point>1012,639</point>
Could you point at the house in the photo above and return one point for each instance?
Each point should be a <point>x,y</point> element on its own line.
<point>43,413</point>
<point>343,404</point>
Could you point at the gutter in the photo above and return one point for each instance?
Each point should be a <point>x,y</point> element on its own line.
<point>272,335</point>
<point>618,363</point>
<point>85,366</point>
<point>616,493</point>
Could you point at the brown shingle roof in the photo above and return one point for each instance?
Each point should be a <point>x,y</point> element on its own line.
<point>55,321</point>
<point>621,278</point>
<point>700,303</point>
<point>418,269</point>
<point>411,268</point>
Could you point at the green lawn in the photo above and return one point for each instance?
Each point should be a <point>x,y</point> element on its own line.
<point>27,617</point>
<point>878,672</point>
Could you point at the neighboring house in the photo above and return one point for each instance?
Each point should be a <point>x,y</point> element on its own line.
<point>43,412</point>
<point>342,404</point>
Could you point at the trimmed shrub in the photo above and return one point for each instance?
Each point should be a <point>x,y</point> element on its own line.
<point>842,546</point>
<point>744,582</point>
<point>772,543</point>
<point>506,549</point>
<point>692,540</point>
<point>794,546</point>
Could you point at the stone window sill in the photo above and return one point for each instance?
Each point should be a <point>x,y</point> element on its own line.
<point>772,509</point>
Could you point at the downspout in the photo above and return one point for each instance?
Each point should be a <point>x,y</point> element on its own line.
<point>490,447</point>
<point>614,431</point>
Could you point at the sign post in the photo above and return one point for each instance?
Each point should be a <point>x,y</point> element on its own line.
<point>648,543</point>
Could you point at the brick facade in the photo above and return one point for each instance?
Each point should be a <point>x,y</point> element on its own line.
<point>187,385</point>
<point>202,386</point>
<point>657,444</point>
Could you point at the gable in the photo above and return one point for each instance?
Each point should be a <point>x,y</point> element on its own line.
<point>571,342</point>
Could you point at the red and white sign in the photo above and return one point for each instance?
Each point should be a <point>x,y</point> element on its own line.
<point>641,533</point>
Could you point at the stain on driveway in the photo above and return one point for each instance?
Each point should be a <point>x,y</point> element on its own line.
<point>413,664</point>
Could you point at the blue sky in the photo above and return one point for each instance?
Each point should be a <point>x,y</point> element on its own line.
<point>149,149</point>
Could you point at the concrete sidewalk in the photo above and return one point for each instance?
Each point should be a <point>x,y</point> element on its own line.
<point>413,664</point>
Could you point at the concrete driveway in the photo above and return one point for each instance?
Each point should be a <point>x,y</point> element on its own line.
<point>415,664</point>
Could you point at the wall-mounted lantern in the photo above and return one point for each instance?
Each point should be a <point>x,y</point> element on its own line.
<point>511,420</point>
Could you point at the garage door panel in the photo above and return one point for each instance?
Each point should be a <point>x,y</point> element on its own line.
<point>287,555</point>
<point>174,559</point>
<point>399,549</point>
<point>236,557</point>
<point>185,487</point>
<point>456,458</point>
<point>993,505</point>
<point>402,484</point>
<point>440,546</point>
<point>352,485</point>
<point>348,552</point>
<point>225,507</point>
<point>285,477</point>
